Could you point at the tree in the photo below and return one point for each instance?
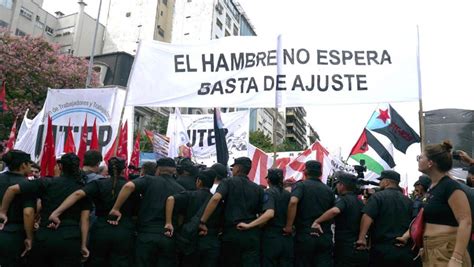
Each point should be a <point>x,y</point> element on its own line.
<point>260,140</point>
<point>289,145</point>
<point>158,124</point>
<point>30,66</point>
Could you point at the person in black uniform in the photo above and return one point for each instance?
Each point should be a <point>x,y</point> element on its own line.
<point>347,213</point>
<point>421,188</point>
<point>109,244</point>
<point>192,204</point>
<point>390,212</point>
<point>187,173</point>
<point>243,200</point>
<point>309,200</point>
<point>277,248</point>
<point>152,248</point>
<point>62,246</point>
<point>16,237</point>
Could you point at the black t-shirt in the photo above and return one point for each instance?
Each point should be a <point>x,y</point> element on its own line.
<point>155,191</point>
<point>242,198</point>
<point>100,192</point>
<point>348,221</point>
<point>188,182</point>
<point>437,209</point>
<point>276,199</point>
<point>391,212</point>
<point>15,212</point>
<point>52,192</point>
<point>470,196</point>
<point>188,203</point>
<point>315,198</point>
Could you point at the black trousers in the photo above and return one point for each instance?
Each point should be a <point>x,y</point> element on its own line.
<point>155,249</point>
<point>57,248</point>
<point>346,255</point>
<point>389,255</point>
<point>240,248</point>
<point>110,245</point>
<point>11,246</point>
<point>206,254</point>
<point>313,250</point>
<point>277,250</point>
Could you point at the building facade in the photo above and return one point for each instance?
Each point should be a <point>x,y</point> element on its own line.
<point>263,119</point>
<point>296,126</point>
<point>74,33</point>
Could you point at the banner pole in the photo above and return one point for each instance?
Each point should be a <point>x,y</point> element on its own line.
<point>421,118</point>
<point>279,52</point>
<point>127,89</point>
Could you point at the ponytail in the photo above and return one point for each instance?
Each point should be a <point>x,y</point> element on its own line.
<point>116,165</point>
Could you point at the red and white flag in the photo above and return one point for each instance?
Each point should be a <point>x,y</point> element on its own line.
<point>292,167</point>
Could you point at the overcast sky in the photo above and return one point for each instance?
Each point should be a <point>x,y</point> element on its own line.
<point>446,47</point>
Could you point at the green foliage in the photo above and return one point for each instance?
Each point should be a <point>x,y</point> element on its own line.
<point>158,124</point>
<point>289,145</point>
<point>260,140</point>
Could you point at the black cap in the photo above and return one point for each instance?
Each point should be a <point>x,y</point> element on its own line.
<point>389,174</point>
<point>346,178</point>
<point>18,155</point>
<point>166,162</point>
<point>424,181</point>
<point>220,169</point>
<point>313,166</point>
<point>244,161</point>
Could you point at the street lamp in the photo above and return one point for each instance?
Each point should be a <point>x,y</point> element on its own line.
<point>91,58</point>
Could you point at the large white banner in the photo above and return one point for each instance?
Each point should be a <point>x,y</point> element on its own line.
<point>72,106</point>
<point>200,129</point>
<point>336,67</point>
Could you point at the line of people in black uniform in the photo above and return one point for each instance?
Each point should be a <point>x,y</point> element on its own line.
<point>158,220</point>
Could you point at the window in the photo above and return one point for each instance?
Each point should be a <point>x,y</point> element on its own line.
<point>39,24</point>
<point>128,14</point>
<point>227,33</point>
<point>19,33</point>
<point>165,2</point>
<point>49,30</point>
<point>3,24</point>
<point>161,13</point>
<point>6,3</point>
<point>188,17</point>
<point>217,37</point>
<point>227,21</point>
<point>236,30</point>
<point>161,32</point>
<point>26,13</point>
<point>186,33</point>
<point>219,23</point>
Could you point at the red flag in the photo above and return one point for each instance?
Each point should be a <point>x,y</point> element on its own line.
<point>83,142</point>
<point>48,157</point>
<point>69,146</point>
<point>122,151</point>
<point>135,158</point>
<point>12,137</point>
<point>110,153</point>
<point>94,139</point>
<point>3,100</point>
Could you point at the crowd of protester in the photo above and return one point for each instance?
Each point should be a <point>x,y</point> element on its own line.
<point>174,212</point>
